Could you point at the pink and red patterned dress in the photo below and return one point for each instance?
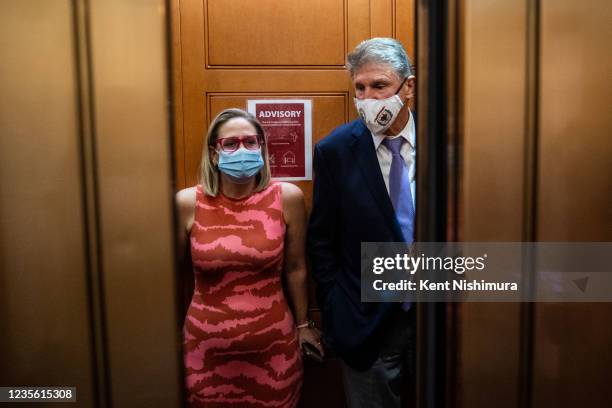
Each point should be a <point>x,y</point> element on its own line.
<point>240,343</point>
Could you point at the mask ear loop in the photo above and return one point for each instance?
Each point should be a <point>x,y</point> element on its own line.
<point>402,84</point>
<point>212,149</point>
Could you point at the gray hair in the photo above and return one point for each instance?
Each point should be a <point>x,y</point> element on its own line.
<point>209,173</point>
<point>380,51</point>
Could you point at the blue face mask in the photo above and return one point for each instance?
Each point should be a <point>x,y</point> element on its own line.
<point>240,165</point>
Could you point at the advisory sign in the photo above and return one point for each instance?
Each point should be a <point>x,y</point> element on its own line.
<point>288,125</point>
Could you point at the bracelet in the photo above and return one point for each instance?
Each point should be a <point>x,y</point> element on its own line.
<point>308,323</point>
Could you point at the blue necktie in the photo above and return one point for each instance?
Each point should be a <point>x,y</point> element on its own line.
<point>401,194</point>
<point>399,189</point>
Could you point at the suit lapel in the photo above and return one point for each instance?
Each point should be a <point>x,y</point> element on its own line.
<point>365,155</point>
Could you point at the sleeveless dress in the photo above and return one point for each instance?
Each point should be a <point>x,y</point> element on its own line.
<point>240,342</point>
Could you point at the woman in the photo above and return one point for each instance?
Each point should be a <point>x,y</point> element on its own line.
<point>242,346</point>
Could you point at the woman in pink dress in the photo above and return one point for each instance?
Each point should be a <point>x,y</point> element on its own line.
<point>242,343</point>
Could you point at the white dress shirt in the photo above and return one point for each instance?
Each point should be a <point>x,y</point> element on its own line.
<point>408,153</point>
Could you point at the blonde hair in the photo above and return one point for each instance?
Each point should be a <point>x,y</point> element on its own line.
<point>209,173</point>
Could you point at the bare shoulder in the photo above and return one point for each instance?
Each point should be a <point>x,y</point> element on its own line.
<point>291,193</point>
<point>294,209</point>
<point>185,206</point>
<point>186,199</point>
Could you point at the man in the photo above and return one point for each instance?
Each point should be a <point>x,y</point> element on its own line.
<point>364,192</point>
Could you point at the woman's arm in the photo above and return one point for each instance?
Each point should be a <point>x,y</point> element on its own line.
<point>185,207</point>
<point>294,212</point>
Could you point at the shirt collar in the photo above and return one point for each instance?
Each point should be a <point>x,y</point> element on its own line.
<point>408,133</point>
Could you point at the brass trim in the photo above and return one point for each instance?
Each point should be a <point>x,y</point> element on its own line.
<point>530,199</point>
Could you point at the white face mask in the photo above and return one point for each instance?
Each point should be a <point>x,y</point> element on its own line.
<point>379,114</point>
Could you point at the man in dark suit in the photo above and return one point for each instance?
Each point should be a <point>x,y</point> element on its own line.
<point>364,192</point>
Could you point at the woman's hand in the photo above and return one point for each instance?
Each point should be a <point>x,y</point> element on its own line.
<point>311,336</point>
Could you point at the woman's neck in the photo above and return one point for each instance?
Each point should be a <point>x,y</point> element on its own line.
<point>235,190</point>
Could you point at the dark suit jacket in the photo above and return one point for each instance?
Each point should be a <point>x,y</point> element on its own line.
<point>350,205</point>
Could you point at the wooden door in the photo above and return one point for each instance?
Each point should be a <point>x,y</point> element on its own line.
<point>226,52</point>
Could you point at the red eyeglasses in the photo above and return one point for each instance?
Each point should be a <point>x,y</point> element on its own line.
<point>231,144</point>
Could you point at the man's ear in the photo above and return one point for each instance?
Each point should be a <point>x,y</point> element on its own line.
<point>410,86</point>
